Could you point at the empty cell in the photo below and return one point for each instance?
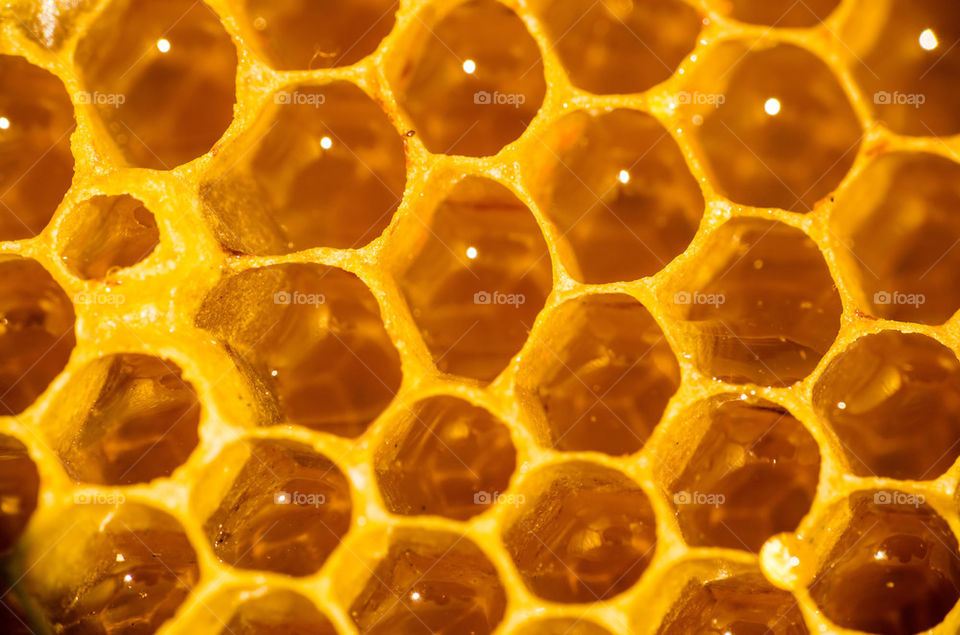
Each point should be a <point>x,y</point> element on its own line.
<point>310,340</point>
<point>772,123</point>
<point>112,233</point>
<point>471,80</point>
<point>133,418</point>
<point>619,46</point>
<point>119,568</point>
<point>430,582</point>
<point>36,166</point>
<point>19,488</point>
<point>603,373</point>
<point>278,611</point>
<point>160,77</point>
<point>322,166</point>
<point>896,229</point>
<point>585,533</point>
<point>616,187</point>
<point>306,35</point>
<point>36,332</point>
<point>894,569</point>
<point>452,458</point>
<point>756,305</point>
<point>741,604</point>
<point>893,400</point>
<point>906,64</point>
<point>784,14</point>
<point>475,273</point>
<point>286,510</point>
<point>753,474</point>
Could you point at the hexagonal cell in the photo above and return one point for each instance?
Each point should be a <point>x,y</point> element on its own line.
<point>112,232</point>
<point>430,582</point>
<point>757,304</point>
<point>128,418</point>
<point>280,611</point>
<point>19,487</point>
<point>286,510</point>
<point>474,274</point>
<point>752,474</point>
<point>471,79</point>
<point>560,626</point>
<point>897,229</point>
<point>322,166</point>
<point>906,62</point>
<point>448,457</point>
<point>604,374</point>
<point>37,335</point>
<point>894,569</point>
<point>117,568</point>
<point>305,35</point>
<point>773,125</point>
<point>880,391</point>
<point>585,533</point>
<point>779,13</point>
<point>161,77</point>
<point>617,188</point>
<point>312,339</point>
<point>612,46</point>
<point>36,166</point>
<point>741,603</point>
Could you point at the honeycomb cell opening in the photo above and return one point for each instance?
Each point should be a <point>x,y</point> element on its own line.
<point>894,567</point>
<point>429,582</point>
<point>741,601</point>
<point>448,457</point>
<point>127,418</point>
<point>757,304</point>
<point>895,231</point>
<point>36,166</point>
<point>306,35</point>
<point>109,233</point>
<point>473,287</point>
<point>880,391</point>
<point>310,340</point>
<point>37,334</point>
<point>117,567</point>
<point>617,189</point>
<point>471,79</point>
<point>278,506</point>
<point>772,123</point>
<point>322,166</point>
<point>581,533</point>
<point>619,47</point>
<point>751,474</point>
<point>19,490</point>
<point>603,374</point>
<point>281,611</point>
<point>160,78</point>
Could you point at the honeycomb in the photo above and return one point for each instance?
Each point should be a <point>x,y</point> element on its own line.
<point>479,316</point>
